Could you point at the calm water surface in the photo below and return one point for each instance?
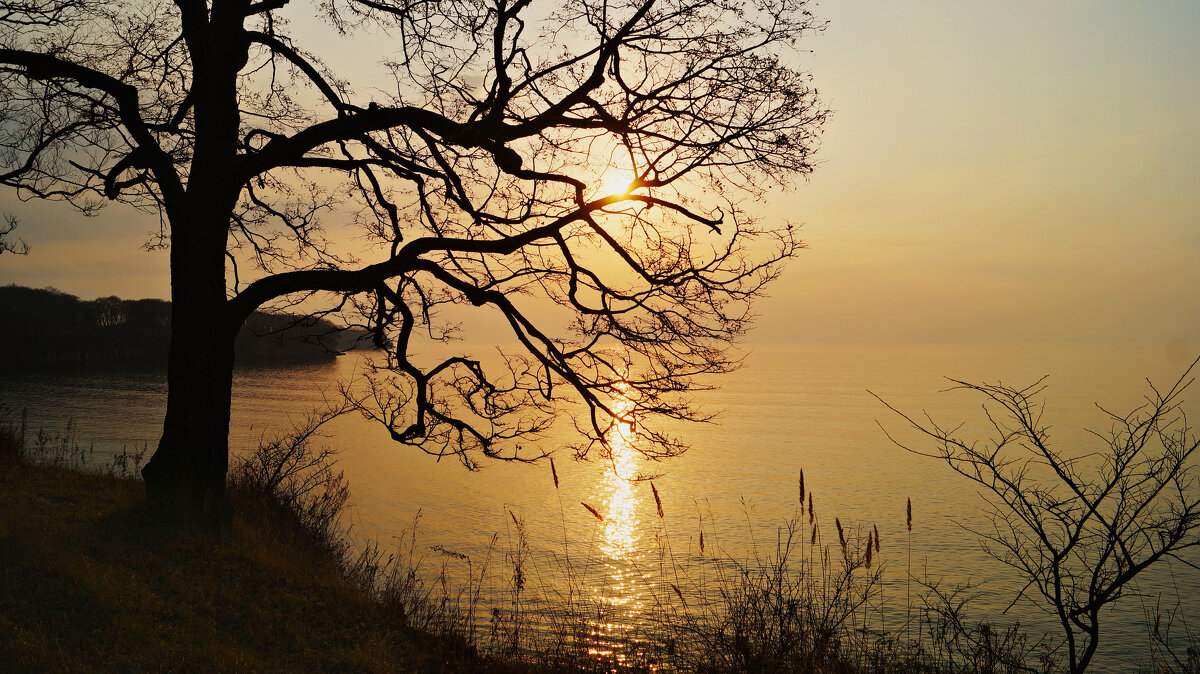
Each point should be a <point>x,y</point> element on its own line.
<point>791,407</point>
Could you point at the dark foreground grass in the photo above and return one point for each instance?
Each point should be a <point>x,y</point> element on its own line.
<point>89,582</point>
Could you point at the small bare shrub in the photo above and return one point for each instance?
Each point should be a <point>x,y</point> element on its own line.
<point>1078,526</point>
<point>128,462</point>
<point>298,481</point>
<point>803,607</point>
<point>60,449</point>
<point>958,643</point>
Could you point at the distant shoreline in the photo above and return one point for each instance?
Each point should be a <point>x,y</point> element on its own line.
<point>49,329</point>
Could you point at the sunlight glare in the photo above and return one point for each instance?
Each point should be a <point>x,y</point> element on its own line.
<point>621,523</point>
<point>620,598</point>
<point>615,182</point>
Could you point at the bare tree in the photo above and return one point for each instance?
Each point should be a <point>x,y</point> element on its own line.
<point>1079,526</point>
<point>479,181</point>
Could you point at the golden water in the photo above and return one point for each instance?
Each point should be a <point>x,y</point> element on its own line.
<point>791,407</point>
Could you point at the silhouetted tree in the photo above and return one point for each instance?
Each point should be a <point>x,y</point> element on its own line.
<point>1078,526</point>
<point>478,179</point>
<point>108,311</point>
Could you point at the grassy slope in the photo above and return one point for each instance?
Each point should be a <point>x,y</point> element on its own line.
<point>88,582</point>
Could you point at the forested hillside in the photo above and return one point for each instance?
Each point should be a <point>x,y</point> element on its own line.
<point>48,327</point>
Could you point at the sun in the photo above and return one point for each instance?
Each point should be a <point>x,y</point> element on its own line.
<point>615,182</point>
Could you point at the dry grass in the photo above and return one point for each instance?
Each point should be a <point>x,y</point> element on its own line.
<point>796,607</point>
<point>12,434</point>
<point>90,582</point>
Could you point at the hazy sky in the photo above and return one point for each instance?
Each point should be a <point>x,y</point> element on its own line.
<point>1019,171</point>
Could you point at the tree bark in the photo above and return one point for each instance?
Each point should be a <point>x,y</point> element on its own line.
<point>185,479</point>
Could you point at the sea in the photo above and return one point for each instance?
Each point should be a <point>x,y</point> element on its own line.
<point>829,413</point>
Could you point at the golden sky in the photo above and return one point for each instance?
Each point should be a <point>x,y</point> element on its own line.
<point>993,172</point>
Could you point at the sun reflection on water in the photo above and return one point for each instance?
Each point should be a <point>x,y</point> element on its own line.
<point>621,518</point>
<point>620,596</point>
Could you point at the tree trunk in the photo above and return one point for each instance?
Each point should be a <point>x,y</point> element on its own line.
<point>185,479</point>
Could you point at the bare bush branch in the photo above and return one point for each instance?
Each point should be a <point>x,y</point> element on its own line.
<point>7,245</point>
<point>1078,526</point>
